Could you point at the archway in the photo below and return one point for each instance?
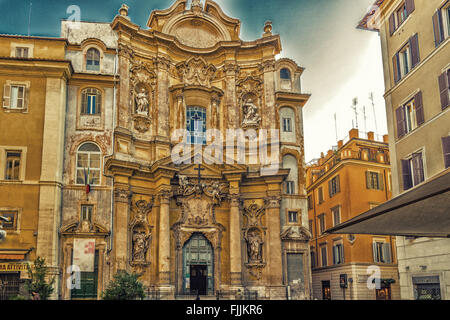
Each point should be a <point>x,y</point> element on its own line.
<point>198,266</point>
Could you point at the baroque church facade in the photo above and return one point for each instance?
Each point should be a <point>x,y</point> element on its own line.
<point>206,223</point>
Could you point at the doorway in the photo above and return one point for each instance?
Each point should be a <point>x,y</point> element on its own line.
<point>199,279</point>
<point>198,266</point>
<point>326,290</point>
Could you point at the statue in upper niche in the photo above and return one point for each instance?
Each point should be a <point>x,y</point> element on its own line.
<point>142,102</point>
<point>251,116</point>
<point>196,3</point>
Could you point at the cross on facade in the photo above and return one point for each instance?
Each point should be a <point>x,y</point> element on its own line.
<point>199,169</point>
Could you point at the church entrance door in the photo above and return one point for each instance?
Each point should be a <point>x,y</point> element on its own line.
<point>199,279</point>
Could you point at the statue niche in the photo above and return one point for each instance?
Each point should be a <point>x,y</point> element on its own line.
<point>254,245</point>
<point>140,233</point>
<point>252,119</point>
<point>141,242</point>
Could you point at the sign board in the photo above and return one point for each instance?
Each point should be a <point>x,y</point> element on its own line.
<point>343,283</point>
<point>13,267</point>
<point>84,254</point>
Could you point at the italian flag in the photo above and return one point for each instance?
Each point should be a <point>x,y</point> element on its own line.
<point>86,180</point>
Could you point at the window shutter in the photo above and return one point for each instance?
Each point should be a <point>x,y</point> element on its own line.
<point>407,178</point>
<point>98,108</point>
<point>446,148</point>
<point>334,254</point>
<point>341,249</point>
<point>374,249</point>
<point>380,181</point>
<point>367,180</point>
<point>418,167</point>
<point>392,24</point>
<point>387,253</point>
<point>401,121</point>
<point>6,96</point>
<point>395,63</point>
<point>443,89</point>
<point>338,184</point>
<point>415,54</point>
<point>26,98</point>
<point>418,101</point>
<point>329,189</point>
<point>410,7</point>
<point>84,102</point>
<point>438,28</point>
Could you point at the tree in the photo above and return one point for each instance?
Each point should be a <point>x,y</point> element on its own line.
<point>38,279</point>
<point>124,286</point>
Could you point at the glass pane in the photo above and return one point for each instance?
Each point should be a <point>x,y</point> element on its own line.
<point>82,160</point>
<point>89,147</point>
<point>14,96</point>
<point>95,177</point>
<point>95,161</point>
<point>80,176</point>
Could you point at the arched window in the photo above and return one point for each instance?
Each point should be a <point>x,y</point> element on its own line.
<point>285,74</point>
<point>196,125</point>
<point>93,60</point>
<point>91,101</point>
<point>88,164</point>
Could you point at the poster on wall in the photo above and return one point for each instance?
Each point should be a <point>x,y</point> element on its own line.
<point>84,254</point>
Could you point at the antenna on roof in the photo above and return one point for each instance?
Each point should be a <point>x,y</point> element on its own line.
<point>335,126</point>
<point>373,108</point>
<point>354,107</point>
<point>29,18</point>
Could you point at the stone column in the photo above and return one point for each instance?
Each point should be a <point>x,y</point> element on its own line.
<point>274,254</point>
<point>121,205</point>
<point>235,241</point>
<point>126,54</point>
<point>164,238</point>
<point>163,65</point>
<point>231,104</point>
<point>268,68</point>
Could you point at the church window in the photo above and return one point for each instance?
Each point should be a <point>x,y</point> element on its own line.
<point>88,164</point>
<point>196,125</point>
<point>93,60</point>
<point>285,74</point>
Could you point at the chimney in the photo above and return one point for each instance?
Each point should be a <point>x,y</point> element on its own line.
<point>386,138</point>
<point>340,144</point>
<point>371,136</point>
<point>330,153</point>
<point>354,133</point>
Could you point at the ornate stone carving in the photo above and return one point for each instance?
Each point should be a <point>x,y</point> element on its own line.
<point>122,195</point>
<point>254,246</point>
<point>140,233</point>
<point>273,201</point>
<point>142,103</point>
<point>142,210</point>
<point>296,233</point>
<point>126,52</point>
<point>267,66</point>
<point>196,71</point>
<point>141,123</point>
<point>215,189</point>
<point>252,119</point>
<point>141,242</point>
<point>142,84</point>
<point>254,234</point>
<point>163,63</point>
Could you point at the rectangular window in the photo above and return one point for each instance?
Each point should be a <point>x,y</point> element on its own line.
<point>441,24</point>
<point>290,187</point>
<point>336,211</point>
<point>446,149</point>
<point>287,125</point>
<point>334,186</point>
<point>410,115</point>
<point>12,165</point>
<point>382,252</point>
<point>17,97</point>
<point>323,251</point>
<point>313,259</point>
<point>22,52</point>
<point>400,15</point>
<point>293,216</point>
<point>406,58</point>
<point>338,253</point>
<point>320,195</point>
<point>322,223</point>
<point>295,270</point>
<point>310,204</point>
<point>413,171</point>
<point>91,103</point>
<point>374,180</point>
<point>196,125</point>
<point>86,212</point>
<point>310,225</point>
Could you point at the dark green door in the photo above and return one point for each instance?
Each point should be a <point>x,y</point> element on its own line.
<point>89,282</point>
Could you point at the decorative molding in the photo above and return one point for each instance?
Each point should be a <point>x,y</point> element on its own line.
<point>196,71</point>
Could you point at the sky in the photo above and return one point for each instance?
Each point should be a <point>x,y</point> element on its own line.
<point>340,61</point>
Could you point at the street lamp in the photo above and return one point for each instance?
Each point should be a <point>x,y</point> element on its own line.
<point>2,232</point>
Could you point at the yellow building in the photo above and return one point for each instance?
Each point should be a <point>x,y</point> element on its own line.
<point>350,179</point>
<point>415,46</point>
<point>33,78</point>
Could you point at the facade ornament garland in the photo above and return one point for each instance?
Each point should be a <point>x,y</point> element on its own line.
<point>197,72</point>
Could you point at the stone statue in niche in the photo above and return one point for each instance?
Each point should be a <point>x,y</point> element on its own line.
<point>251,116</point>
<point>254,245</point>
<point>140,245</point>
<point>142,103</point>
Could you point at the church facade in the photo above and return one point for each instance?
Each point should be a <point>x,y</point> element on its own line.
<point>183,159</point>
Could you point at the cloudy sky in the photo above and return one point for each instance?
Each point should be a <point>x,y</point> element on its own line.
<point>320,35</point>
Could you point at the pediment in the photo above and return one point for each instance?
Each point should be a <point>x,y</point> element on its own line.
<point>296,233</point>
<point>200,26</point>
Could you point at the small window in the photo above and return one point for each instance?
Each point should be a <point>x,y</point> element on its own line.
<point>336,215</point>
<point>402,14</point>
<point>285,74</point>
<point>322,223</point>
<point>313,259</point>
<point>293,216</point>
<point>91,101</point>
<point>310,225</point>
<point>93,60</point>
<point>334,186</point>
<point>382,252</point>
<point>12,165</point>
<point>22,52</point>
<point>11,224</point>
<point>290,187</point>
<point>86,212</point>
<point>17,97</point>
<point>310,202</point>
<point>405,60</point>
<point>88,165</point>
<point>323,251</point>
<point>374,180</point>
<point>338,253</point>
<point>413,171</point>
<point>320,195</point>
<point>287,125</point>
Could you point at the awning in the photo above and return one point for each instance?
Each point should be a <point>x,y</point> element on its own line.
<point>421,212</point>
